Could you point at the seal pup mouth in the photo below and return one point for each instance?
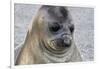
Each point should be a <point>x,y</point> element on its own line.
<point>59,44</point>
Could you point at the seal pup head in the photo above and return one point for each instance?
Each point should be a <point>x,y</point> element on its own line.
<point>54,28</point>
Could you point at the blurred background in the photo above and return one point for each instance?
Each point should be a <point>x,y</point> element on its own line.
<point>83,18</point>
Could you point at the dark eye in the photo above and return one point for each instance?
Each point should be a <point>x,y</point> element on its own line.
<point>54,27</point>
<point>72,28</point>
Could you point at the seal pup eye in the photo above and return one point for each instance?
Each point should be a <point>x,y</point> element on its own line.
<point>55,27</point>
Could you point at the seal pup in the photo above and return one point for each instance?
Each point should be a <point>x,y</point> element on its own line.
<point>50,39</point>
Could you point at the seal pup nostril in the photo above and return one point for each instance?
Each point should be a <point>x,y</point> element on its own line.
<point>66,36</point>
